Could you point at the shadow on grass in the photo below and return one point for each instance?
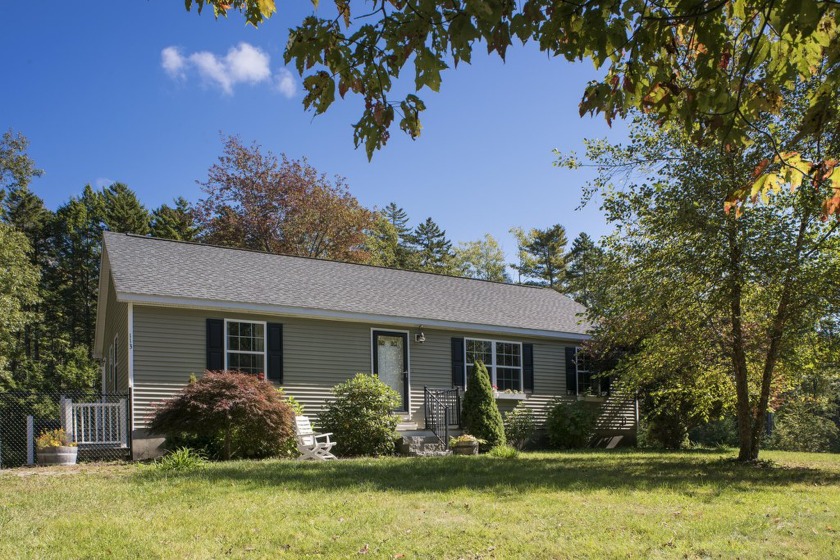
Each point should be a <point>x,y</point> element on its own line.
<point>585,471</point>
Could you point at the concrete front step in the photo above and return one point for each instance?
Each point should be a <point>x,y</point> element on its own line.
<point>424,445</point>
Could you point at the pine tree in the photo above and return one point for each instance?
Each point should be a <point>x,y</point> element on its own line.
<point>434,250</point>
<point>583,260</point>
<point>123,211</point>
<point>405,252</point>
<point>541,255</point>
<point>480,413</point>
<point>174,223</point>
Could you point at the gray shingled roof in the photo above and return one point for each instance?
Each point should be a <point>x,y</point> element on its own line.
<point>145,268</point>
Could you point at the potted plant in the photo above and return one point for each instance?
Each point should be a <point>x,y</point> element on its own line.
<point>53,448</point>
<point>464,444</point>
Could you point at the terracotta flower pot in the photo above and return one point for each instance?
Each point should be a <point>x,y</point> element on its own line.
<point>60,455</point>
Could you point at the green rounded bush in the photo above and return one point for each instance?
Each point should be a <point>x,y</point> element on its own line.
<point>361,417</point>
<point>480,414</point>
<point>570,425</point>
<point>228,414</point>
<point>519,427</point>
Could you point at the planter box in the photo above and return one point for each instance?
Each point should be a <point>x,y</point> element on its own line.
<point>465,448</point>
<point>63,455</point>
<point>510,396</point>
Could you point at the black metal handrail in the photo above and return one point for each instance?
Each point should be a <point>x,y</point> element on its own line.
<point>442,409</point>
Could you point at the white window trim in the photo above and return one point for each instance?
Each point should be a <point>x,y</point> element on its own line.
<point>491,369</point>
<point>591,381</point>
<point>265,343</point>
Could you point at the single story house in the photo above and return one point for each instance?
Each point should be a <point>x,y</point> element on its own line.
<point>168,309</point>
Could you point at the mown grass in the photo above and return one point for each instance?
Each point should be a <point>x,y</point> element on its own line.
<point>594,504</point>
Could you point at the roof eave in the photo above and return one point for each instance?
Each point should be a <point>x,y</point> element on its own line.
<point>327,314</point>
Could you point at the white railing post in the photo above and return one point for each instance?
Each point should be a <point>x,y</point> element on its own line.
<point>122,418</point>
<point>30,440</point>
<point>66,408</point>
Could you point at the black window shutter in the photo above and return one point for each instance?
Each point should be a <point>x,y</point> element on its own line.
<point>571,371</point>
<point>528,367</point>
<point>275,353</point>
<point>606,384</point>
<point>458,373</point>
<point>215,344</point>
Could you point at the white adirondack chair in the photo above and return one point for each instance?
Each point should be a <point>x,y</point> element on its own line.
<point>310,444</point>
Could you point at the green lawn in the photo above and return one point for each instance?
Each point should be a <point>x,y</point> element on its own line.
<point>593,504</point>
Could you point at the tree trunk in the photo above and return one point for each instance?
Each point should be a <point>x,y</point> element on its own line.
<point>739,356</point>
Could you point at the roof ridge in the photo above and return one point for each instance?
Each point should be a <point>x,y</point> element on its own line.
<point>402,270</point>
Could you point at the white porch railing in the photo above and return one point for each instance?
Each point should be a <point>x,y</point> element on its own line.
<point>101,424</point>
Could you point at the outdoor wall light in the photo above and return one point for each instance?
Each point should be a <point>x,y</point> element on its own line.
<point>420,338</point>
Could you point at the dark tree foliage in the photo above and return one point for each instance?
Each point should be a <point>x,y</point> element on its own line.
<point>433,249</point>
<point>175,222</point>
<point>480,413</point>
<point>571,425</point>
<point>123,211</point>
<point>245,413</point>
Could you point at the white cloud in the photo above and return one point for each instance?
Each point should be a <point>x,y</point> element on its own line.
<point>243,64</point>
<point>102,182</point>
<point>285,83</point>
<point>172,62</point>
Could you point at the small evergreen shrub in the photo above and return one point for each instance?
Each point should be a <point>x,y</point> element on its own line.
<point>570,425</point>
<point>480,414</point>
<point>361,417</point>
<point>228,414</point>
<point>519,427</point>
<point>504,452</point>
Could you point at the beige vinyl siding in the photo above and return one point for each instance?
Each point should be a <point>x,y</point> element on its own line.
<point>116,324</point>
<point>169,345</point>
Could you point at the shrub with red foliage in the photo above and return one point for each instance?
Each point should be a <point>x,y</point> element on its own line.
<point>241,414</point>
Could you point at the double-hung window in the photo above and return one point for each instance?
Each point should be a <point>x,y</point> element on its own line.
<point>245,346</point>
<point>503,360</point>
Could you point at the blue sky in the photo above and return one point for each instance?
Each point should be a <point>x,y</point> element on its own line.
<point>86,83</point>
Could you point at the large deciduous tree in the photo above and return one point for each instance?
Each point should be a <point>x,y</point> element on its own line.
<point>541,255</point>
<point>257,201</point>
<point>716,68</point>
<point>693,292</point>
<point>482,259</point>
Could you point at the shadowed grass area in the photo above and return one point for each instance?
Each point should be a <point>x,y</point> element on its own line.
<point>593,504</point>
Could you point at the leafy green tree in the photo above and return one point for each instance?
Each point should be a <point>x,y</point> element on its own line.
<point>18,295</point>
<point>541,255</point>
<point>480,413</point>
<point>482,259</point>
<point>382,243</point>
<point>697,290</point>
<point>434,250</point>
<point>17,169</point>
<point>716,69</point>
<point>582,262</point>
<point>176,222</point>
<point>123,211</point>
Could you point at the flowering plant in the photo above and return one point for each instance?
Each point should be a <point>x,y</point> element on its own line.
<point>54,438</point>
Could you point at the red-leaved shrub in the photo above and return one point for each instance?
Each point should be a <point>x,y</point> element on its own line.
<point>236,413</point>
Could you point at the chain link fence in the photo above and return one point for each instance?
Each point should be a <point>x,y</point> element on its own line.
<point>99,424</point>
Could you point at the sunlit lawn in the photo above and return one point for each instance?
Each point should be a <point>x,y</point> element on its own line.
<point>593,504</point>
